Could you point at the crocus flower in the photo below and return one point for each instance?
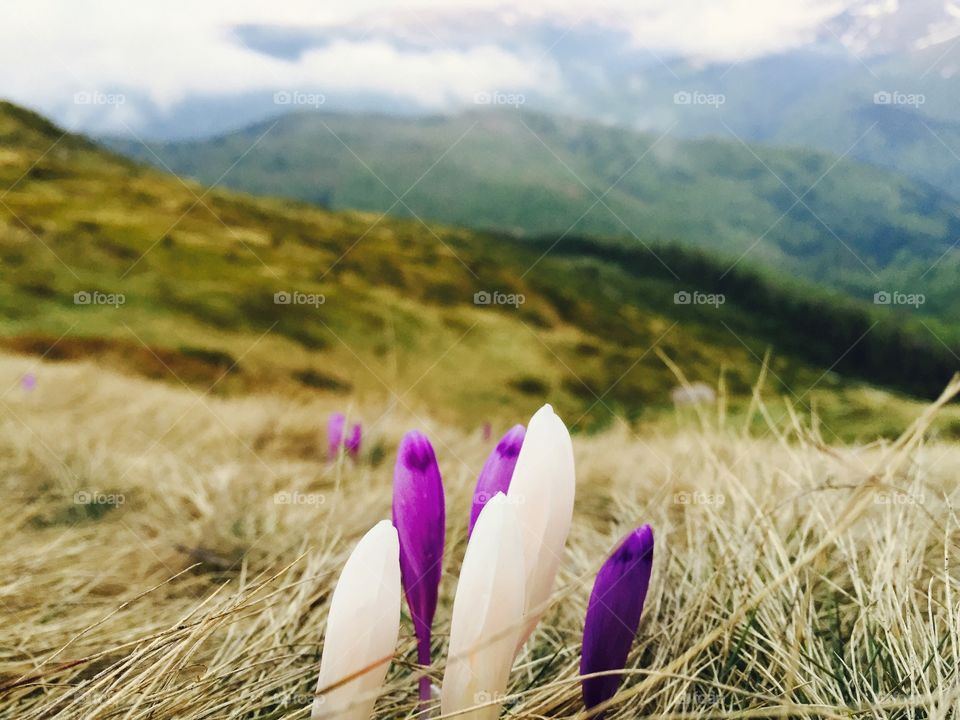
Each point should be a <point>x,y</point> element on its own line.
<point>613,614</point>
<point>28,381</point>
<point>542,489</point>
<point>487,431</point>
<point>487,615</point>
<point>497,471</point>
<point>335,427</point>
<point>362,628</point>
<point>353,441</point>
<point>419,516</point>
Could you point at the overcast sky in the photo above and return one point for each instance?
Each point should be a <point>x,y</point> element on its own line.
<point>434,52</point>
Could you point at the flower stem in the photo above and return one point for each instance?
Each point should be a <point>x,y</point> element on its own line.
<point>423,657</point>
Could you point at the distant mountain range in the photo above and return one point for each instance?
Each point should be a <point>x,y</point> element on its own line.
<point>825,218</point>
<point>894,111</point>
<point>875,80</point>
<point>106,258</point>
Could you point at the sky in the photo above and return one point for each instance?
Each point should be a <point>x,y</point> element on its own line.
<point>70,57</point>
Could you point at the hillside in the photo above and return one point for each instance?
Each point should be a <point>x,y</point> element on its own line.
<point>393,315</point>
<point>813,215</point>
<point>821,98</point>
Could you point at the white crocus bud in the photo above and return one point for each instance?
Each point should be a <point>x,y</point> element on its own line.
<point>487,614</point>
<point>362,628</point>
<point>542,489</point>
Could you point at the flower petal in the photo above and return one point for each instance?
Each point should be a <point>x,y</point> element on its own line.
<point>420,518</point>
<point>353,441</point>
<point>335,426</point>
<point>497,471</point>
<point>613,614</point>
<point>363,625</point>
<point>487,615</point>
<point>542,489</point>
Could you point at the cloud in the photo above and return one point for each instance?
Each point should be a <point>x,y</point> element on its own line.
<point>167,52</point>
<point>731,30</point>
<point>435,79</point>
<point>52,51</point>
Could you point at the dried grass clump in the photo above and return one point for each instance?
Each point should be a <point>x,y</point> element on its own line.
<point>791,579</point>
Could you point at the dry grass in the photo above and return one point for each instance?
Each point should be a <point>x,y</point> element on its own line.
<point>801,580</point>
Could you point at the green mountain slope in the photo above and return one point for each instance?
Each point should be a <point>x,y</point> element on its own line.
<point>180,283</point>
<point>817,216</point>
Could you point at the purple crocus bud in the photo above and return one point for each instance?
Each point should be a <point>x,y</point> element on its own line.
<point>497,471</point>
<point>420,519</point>
<point>613,615</point>
<point>353,441</point>
<point>335,428</point>
<point>28,381</point>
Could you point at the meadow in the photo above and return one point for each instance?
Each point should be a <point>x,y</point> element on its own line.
<point>172,529</point>
<point>789,210</point>
<point>169,553</point>
<point>594,327</point>
<point>414,360</point>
